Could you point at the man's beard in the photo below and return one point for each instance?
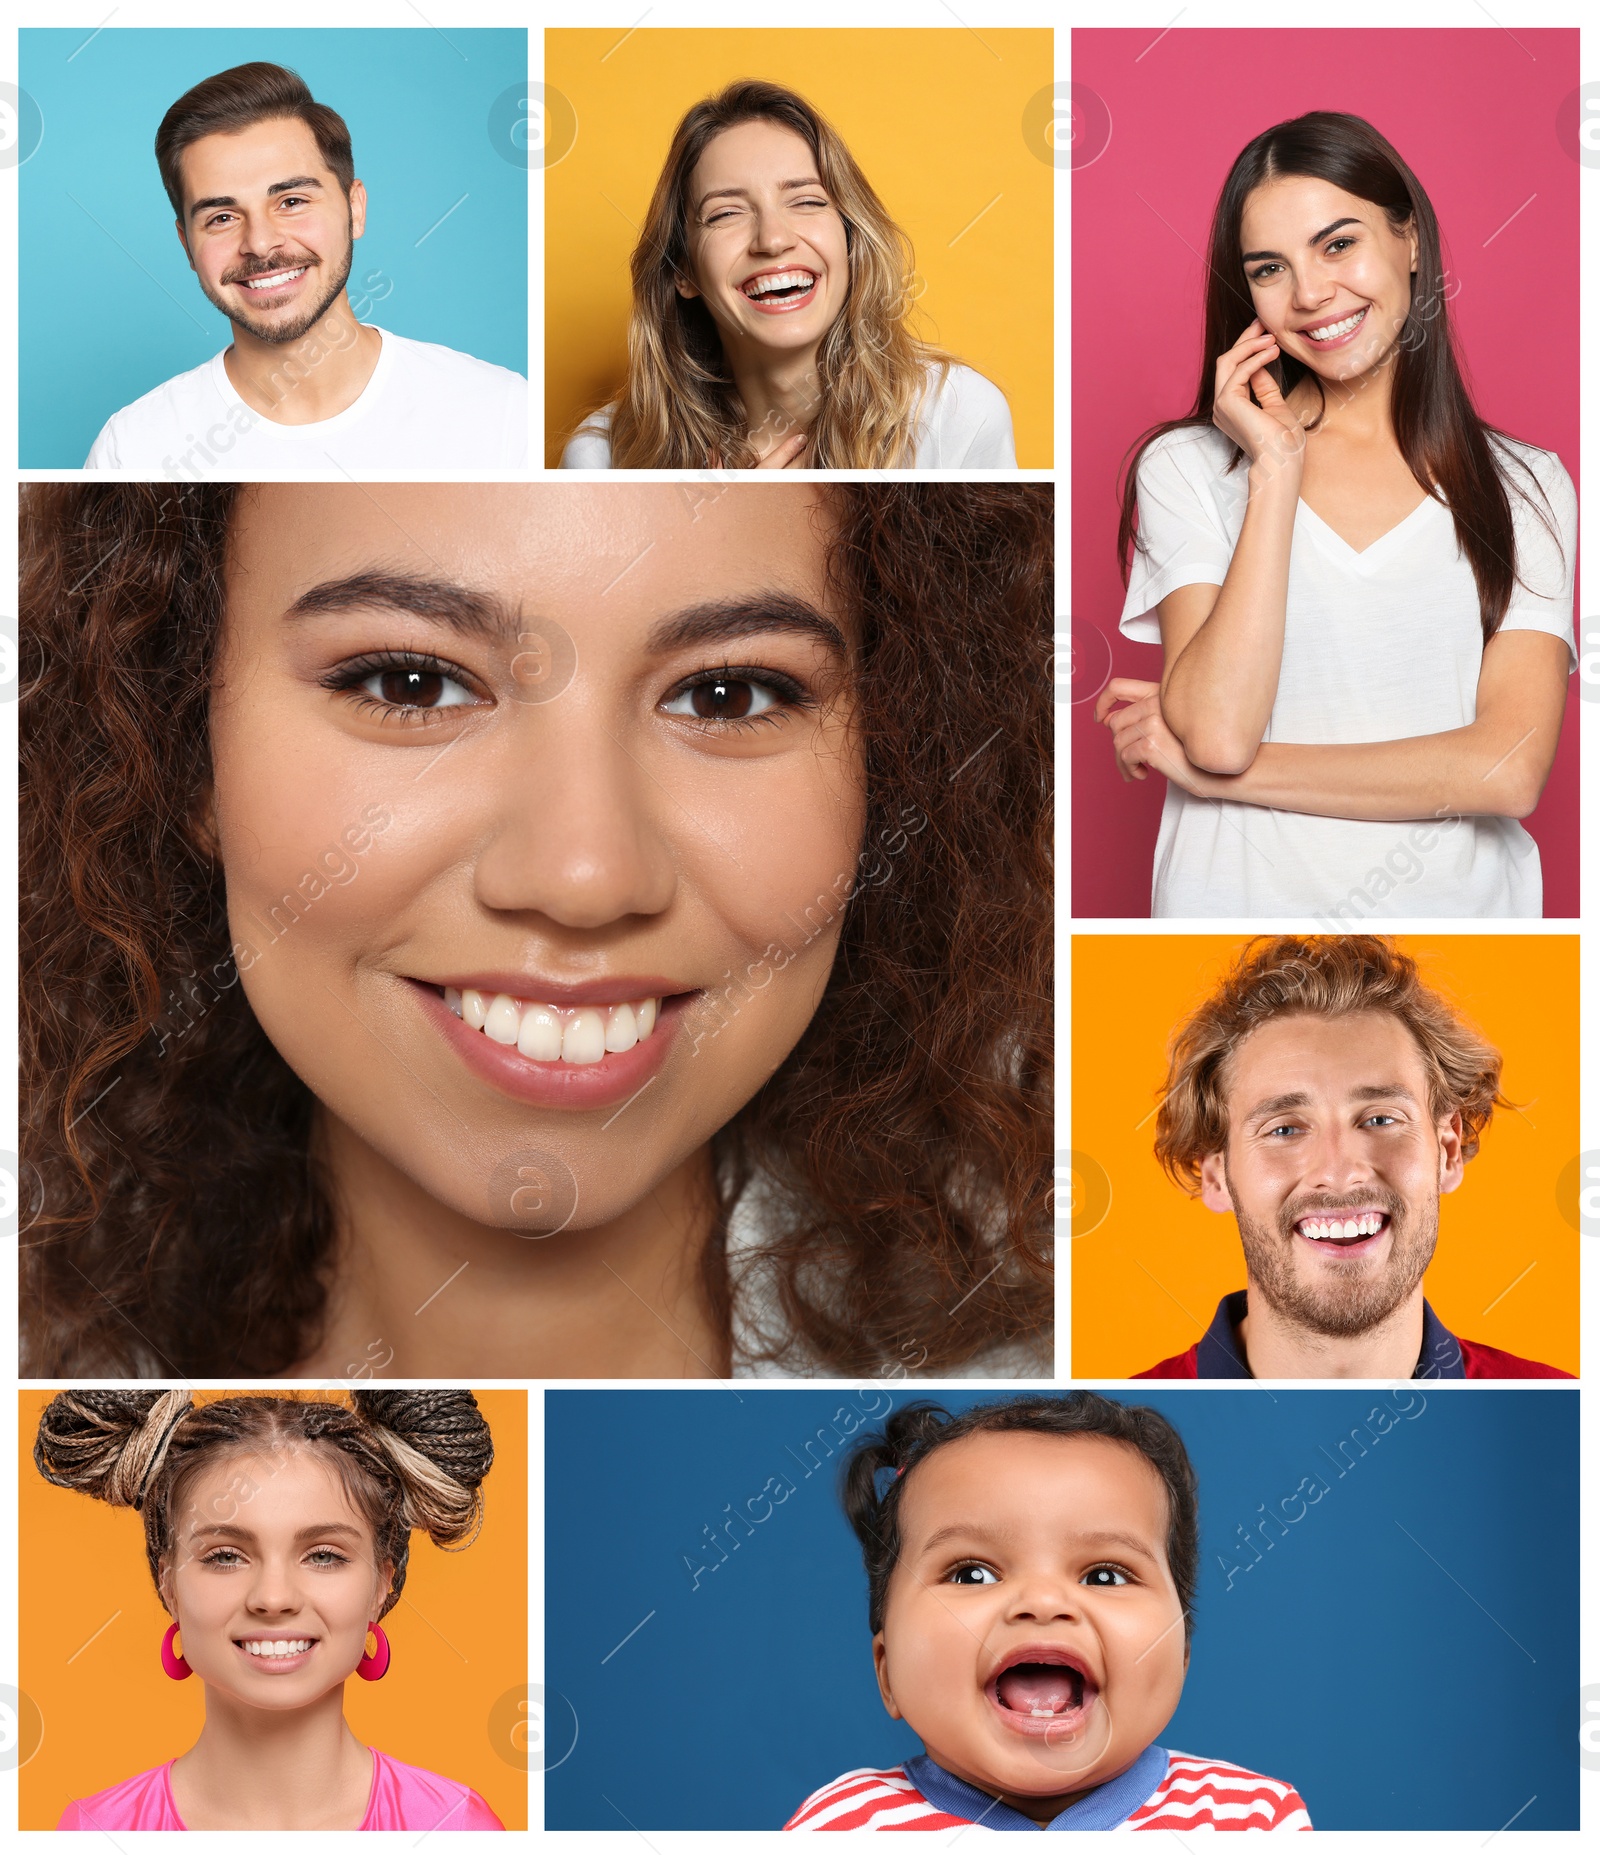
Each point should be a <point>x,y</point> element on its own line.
<point>1347,1301</point>
<point>302,324</point>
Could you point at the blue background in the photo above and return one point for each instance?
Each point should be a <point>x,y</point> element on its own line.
<point>110,310</point>
<point>1346,1662</point>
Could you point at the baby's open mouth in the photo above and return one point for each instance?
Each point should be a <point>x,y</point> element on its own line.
<point>1043,1692</point>
<point>779,286</point>
<point>579,1034</point>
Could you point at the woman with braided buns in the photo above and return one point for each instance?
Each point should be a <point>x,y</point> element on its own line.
<point>278,1532</point>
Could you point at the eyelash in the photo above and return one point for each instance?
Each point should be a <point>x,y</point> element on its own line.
<point>229,1555</point>
<point>287,199</point>
<point>791,696</point>
<point>728,211</point>
<point>1329,249</point>
<point>1107,1565</point>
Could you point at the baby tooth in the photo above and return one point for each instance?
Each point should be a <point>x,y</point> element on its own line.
<point>585,1038</point>
<point>622,1030</point>
<point>540,1035</point>
<point>501,1023</point>
<point>644,1015</point>
<point>474,1009</point>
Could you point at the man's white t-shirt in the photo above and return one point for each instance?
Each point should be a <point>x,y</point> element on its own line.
<point>425,408</point>
<point>964,424</point>
<point>1379,645</point>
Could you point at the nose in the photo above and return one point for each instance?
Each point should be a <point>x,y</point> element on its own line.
<point>1044,1595</point>
<point>1313,288</point>
<point>272,1591</point>
<point>1335,1160</point>
<point>259,235</point>
<point>770,233</point>
<point>579,831</point>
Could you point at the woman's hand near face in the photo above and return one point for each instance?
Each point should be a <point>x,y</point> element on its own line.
<point>784,456</point>
<point>1265,427</point>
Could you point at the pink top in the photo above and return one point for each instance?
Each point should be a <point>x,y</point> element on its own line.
<point>402,1797</point>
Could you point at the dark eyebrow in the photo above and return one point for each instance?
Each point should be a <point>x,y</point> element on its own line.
<point>473,614</point>
<point>482,615</point>
<point>278,186</point>
<point>720,621</point>
<point>1316,238</point>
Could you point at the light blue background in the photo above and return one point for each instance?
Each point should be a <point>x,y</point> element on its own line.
<point>1395,1690</point>
<point>110,310</point>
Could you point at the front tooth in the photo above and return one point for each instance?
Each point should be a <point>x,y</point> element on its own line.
<point>644,1015</point>
<point>1350,1227</point>
<point>501,1022</point>
<point>622,1028</point>
<point>584,1040</point>
<point>540,1034</point>
<point>474,1009</point>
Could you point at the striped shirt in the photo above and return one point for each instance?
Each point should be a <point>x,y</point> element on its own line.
<point>1159,1790</point>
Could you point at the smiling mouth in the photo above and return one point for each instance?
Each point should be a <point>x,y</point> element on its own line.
<point>272,280</point>
<point>774,288</point>
<point>274,1649</point>
<point>578,1035</point>
<point>1330,332</point>
<point>1041,1690</point>
<point>1342,1230</point>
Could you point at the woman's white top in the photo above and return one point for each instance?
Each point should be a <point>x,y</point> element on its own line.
<point>1379,644</point>
<point>964,424</point>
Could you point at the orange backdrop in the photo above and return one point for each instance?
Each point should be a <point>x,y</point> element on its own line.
<point>91,1629</point>
<point>934,118</point>
<point>1147,1277</point>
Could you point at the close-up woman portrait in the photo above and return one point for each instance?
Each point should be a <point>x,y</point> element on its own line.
<point>277,1533</point>
<point>771,297</point>
<point>1362,589</point>
<point>550,931</point>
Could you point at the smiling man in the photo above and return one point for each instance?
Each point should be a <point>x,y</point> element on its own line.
<point>1327,1099</point>
<point>262,179</point>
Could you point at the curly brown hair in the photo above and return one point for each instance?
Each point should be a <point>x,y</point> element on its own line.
<point>900,1151</point>
<point>1325,976</point>
<point>408,1460</point>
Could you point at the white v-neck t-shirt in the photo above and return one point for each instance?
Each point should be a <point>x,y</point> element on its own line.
<point>426,408</point>
<point>1379,644</point>
<point>964,424</point>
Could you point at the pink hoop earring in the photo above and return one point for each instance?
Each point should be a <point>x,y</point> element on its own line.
<point>173,1666</point>
<point>375,1666</point>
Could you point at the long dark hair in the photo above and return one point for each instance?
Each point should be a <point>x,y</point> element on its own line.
<point>1451,452</point>
<point>176,1221</point>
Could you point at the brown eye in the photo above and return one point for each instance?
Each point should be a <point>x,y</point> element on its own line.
<point>725,699</point>
<point>411,688</point>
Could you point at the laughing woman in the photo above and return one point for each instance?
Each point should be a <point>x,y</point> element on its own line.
<point>278,1532</point>
<point>1363,593</point>
<point>562,932</point>
<point>769,316</point>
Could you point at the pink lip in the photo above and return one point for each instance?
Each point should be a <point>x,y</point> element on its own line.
<point>573,1086</point>
<point>1361,1246</point>
<point>1328,347</point>
<point>789,303</point>
<point>276,1664</point>
<point>1057,1726</point>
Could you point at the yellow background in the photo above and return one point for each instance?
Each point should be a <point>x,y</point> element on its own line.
<point>934,121</point>
<point>459,1637</point>
<point>1147,1281</point>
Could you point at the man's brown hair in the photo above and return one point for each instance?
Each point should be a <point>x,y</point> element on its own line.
<point>1324,976</point>
<point>237,99</point>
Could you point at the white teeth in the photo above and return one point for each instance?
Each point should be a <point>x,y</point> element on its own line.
<point>1368,1224</point>
<point>503,1020</point>
<point>554,1033</point>
<point>259,1647</point>
<point>1334,330</point>
<point>584,1040</point>
<point>540,1036</point>
<point>272,281</point>
<point>779,280</point>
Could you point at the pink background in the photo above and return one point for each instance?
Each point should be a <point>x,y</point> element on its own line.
<point>1473,114</point>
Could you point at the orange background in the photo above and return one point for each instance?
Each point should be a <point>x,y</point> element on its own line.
<point>459,1635</point>
<point>1147,1280</point>
<point>933,119</point>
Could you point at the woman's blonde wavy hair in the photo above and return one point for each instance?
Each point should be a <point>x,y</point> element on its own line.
<point>679,409</point>
<point>1326,977</point>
